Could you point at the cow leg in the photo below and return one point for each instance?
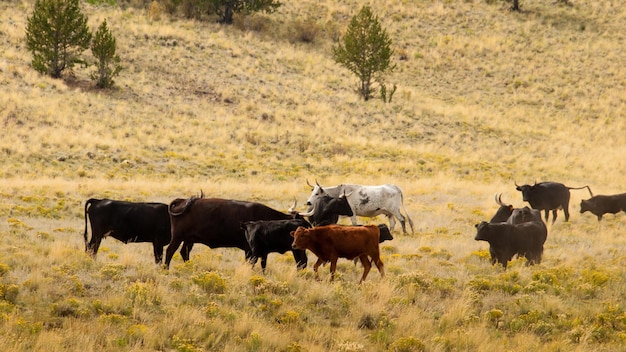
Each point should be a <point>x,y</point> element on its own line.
<point>185,250</point>
<point>263,262</point>
<point>546,211</point>
<point>253,261</point>
<point>171,249</point>
<point>367,265</point>
<point>379,265</point>
<point>300,258</point>
<point>94,244</point>
<point>553,216</point>
<point>158,253</point>
<point>248,254</point>
<point>401,218</point>
<point>392,223</point>
<point>566,211</point>
<point>333,267</point>
<point>316,266</point>
<point>353,219</point>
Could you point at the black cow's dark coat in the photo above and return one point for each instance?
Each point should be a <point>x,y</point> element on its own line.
<point>215,222</point>
<point>525,214</point>
<point>548,196</point>
<point>328,209</point>
<point>269,236</point>
<point>506,240</point>
<point>601,204</point>
<point>385,234</point>
<point>507,213</point>
<point>128,222</point>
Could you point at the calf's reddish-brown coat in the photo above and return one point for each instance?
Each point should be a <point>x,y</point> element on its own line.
<point>332,242</point>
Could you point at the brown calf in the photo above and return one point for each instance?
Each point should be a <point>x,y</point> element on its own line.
<point>331,242</point>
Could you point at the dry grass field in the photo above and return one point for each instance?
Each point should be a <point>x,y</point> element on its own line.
<point>486,98</point>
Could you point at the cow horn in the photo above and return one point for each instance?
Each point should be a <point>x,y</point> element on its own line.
<point>320,187</point>
<point>293,207</point>
<point>201,193</point>
<point>499,200</point>
<point>516,185</point>
<point>310,213</point>
<point>307,182</point>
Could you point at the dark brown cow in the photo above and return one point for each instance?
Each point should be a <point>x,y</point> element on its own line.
<point>601,204</point>
<point>215,222</point>
<point>505,240</point>
<point>332,242</point>
<point>548,196</point>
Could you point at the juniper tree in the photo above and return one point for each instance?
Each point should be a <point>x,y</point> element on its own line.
<point>365,50</point>
<point>103,49</point>
<point>56,34</point>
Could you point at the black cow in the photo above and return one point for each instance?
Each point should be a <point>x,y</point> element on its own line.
<point>215,222</point>
<point>506,240</point>
<point>601,204</point>
<point>548,196</point>
<point>385,234</point>
<point>327,209</point>
<point>269,236</point>
<point>128,222</point>
<point>508,214</point>
<point>525,214</point>
<point>503,213</point>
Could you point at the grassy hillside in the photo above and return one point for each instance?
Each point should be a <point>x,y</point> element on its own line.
<point>486,97</point>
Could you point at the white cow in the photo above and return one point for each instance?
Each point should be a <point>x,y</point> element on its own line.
<point>367,201</point>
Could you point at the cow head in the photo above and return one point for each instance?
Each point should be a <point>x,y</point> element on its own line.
<point>524,214</point>
<point>340,205</point>
<point>526,190</point>
<point>483,232</point>
<point>316,192</point>
<point>503,212</point>
<point>586,205</point>
<point>300,238</point>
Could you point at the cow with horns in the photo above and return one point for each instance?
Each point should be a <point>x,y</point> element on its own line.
<point>548,196</point>
<point>507,213</point>
<point>367,201</point>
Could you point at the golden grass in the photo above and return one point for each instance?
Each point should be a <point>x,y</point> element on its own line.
<point>485,98</point>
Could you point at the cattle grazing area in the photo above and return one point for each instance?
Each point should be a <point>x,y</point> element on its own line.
<point>253,116</point>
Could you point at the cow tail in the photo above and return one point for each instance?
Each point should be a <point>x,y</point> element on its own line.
<point>407,215</point>
<point>87,205</point>
<point>176,202</point>
<point>586,186</point>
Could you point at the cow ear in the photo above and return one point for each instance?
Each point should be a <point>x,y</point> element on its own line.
<point>511,207</point>
<point>291,233</point>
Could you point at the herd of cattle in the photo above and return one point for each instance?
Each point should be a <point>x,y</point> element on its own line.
<point>259,230</point>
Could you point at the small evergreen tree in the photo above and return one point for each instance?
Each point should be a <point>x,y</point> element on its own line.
<point>226,8</point>
<point>365,50</point>
<point>103,49</point>
<point>56,34</point>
